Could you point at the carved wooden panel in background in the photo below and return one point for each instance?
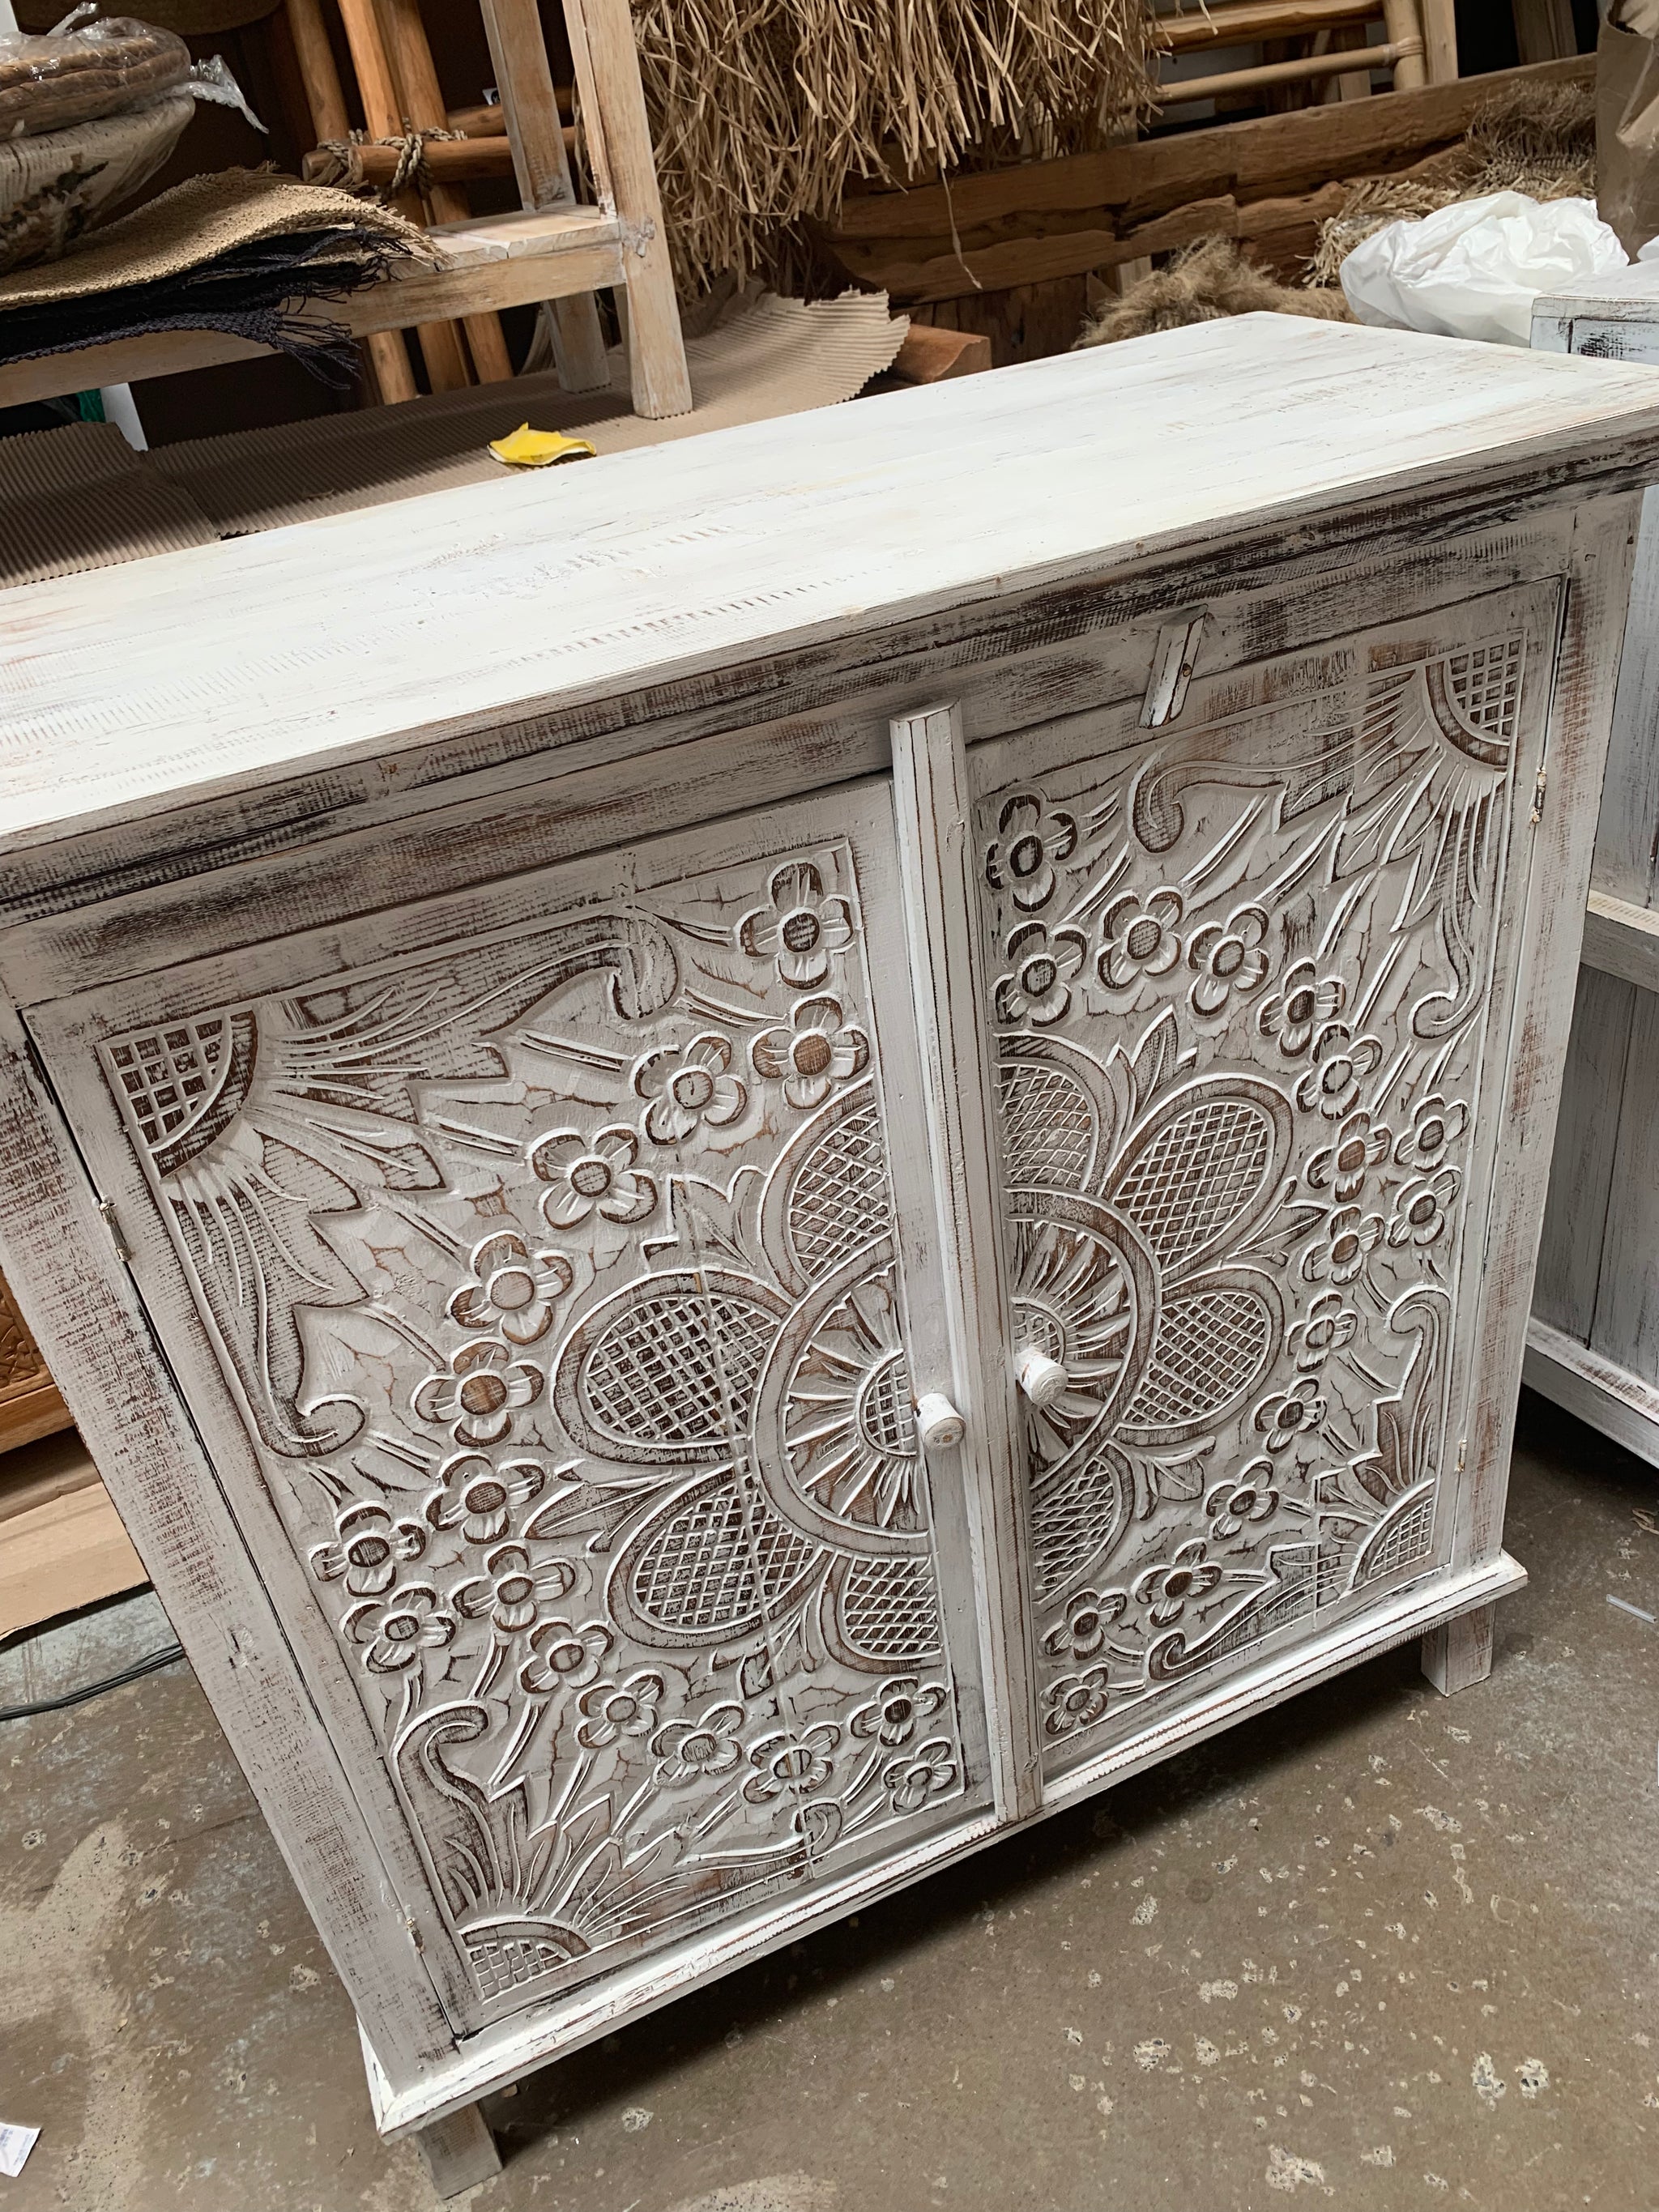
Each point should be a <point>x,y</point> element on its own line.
<point>554,1273</point>
<point>1240,994</point>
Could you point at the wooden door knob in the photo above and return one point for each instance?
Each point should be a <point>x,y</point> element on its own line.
<point>1039,1379</point>
<point>937,1422</point>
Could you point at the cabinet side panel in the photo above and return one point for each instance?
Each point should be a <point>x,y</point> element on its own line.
<point>1569,1254</point>
<point>1626,1326</point>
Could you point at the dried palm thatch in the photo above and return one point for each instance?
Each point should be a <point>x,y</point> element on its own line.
<point>1538,139</point>
<point>763,110</point>
<point>1205,282</point>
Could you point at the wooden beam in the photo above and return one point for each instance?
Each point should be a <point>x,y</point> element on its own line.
<point>1269,154</point>
<point>542,151</point>
<point>619,136</point>
<point>1246,22</point>
<point>1622,939</point>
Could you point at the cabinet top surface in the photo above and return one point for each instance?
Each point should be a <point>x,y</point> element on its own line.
<point>129,691</point>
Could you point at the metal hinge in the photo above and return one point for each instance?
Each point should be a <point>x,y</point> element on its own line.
<point>123,1250</point>
<point>1538,797</point>
<point>1462,1448</point>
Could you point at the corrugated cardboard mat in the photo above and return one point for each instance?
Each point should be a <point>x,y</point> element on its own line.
<point>79,498</point>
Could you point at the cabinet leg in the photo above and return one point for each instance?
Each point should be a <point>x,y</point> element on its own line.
<point>460,2151</point>
<point>1459,1651</point>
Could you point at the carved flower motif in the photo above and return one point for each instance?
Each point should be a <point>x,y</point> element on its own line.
<point>1232,1505</point>
<point>799,929</point>
<point>1140,938</point>
<point>928,1771</point>
<point>1190,1574</point>
<point>1436,1123</point>
<point>367,1546</point>
<point>612,1708</point>
<point>1341,1062</point>
<point>1040,988</point>
<point>813,1051</point>
<point>1088,1614</point>
<point>1291,1413</point>
<point>691,1751</point>
<point>791,1760</point>
<point>1303,1002</point>
<point>563,1657</point>
<point>1419,1212</point>
<point>687,1084</point>
<point>477,1498</point>
<point>1329,1325</point>
<point>510,1591</point>
<point>592,1175</point>
<point>397,1629</point>
<point>1341,1167</point>
<point>1075,1701</point>
<point>1029,841</point>
<point>898,1708</point>
<point>511,1290</point>
<point>1228,959</point>
<point>484,1388</point>
<point>1340,1253</point>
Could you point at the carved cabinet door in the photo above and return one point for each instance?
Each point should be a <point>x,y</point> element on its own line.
<point>550,1271</point>
<point>1251,971</point>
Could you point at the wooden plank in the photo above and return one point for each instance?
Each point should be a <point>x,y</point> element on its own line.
<point>934,809</point>
<point>1269,154</point>
<point>1355,432</point>
<point>1562,834</point>
<point>1544,29</point>
<point>1622,1405</point>
<point>1622,939</point>
<point>541,158</point>
<point>1626,1326</point>
<point>69,1551</point>
<point>618,134</point>
<point>1581,1170</point>
<point>1626,867</point>
<point>502,261</point>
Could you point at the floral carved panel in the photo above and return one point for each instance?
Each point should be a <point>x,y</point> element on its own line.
<point>1242,999</point>
<point>555,1275</point>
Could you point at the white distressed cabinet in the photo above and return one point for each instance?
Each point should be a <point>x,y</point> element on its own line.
<point>752,1160</point>
<point>1593,1343</point>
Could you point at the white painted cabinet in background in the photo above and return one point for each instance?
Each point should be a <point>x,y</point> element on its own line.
<point>1593,1346</point>
<point>817,1143</point>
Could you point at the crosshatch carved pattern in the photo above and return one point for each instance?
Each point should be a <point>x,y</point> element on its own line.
<point>1240,987</point>
<point>555,1281</point>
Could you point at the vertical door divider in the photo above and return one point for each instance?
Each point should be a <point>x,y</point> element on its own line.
<point>932,805</point>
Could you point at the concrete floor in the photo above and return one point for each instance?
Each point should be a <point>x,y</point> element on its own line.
<point>1377,1949</point>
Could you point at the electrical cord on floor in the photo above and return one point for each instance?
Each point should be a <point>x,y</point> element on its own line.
<point>164,1657</point>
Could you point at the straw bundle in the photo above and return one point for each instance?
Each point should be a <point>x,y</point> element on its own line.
<point>763,110</point>
<point>1538,139</point>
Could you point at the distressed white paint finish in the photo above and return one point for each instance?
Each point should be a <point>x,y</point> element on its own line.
<point>578,582</point>
<point>1594,1342</point>
<point>526,944</point>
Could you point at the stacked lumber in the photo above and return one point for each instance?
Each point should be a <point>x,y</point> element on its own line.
<point>1269,182</point>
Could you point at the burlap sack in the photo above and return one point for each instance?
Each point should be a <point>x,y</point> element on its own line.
<point>1627,122</point>
<point>201,220</point>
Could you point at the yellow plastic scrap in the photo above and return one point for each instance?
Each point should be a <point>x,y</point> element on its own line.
<point>538,449</point>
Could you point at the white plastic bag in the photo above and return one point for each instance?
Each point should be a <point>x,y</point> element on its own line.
<point>1472,270</point>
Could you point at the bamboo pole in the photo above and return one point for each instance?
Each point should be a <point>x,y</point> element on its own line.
<point>388,356</point>
<point>422,108</point>
<point>440,343</point>
<point>1403,27</point>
